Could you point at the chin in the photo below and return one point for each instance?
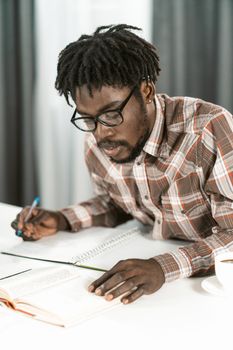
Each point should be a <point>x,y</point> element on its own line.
<point>119,161</point>
<point>128,159</point>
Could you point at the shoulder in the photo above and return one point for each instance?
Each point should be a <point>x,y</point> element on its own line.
<point>193,115</point>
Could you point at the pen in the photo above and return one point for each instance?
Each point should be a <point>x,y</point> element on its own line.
<point>34,204</point>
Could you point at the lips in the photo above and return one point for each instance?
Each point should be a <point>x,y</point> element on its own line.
<point>111,151</point>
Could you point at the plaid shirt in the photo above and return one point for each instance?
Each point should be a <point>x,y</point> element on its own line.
<point>181,184</point>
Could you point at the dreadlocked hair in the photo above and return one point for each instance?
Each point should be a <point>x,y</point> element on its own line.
<point>112,56</point>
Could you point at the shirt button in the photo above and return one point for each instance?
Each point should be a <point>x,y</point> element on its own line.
<point>138,163</point>
<point>146,197</point>
<point>158,222</point>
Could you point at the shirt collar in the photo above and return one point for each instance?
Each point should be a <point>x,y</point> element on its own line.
<point>156,145</point>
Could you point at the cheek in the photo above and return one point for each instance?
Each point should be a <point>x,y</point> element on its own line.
<point>129,132</point>
<point>136,129</point>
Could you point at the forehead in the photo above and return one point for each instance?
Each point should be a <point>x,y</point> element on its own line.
<point>100,97</point>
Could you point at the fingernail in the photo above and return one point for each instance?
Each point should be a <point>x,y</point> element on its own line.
<point>18,233</point>
<point>91,288</point>
<point>109,297</point>
<point>125,301</point>
<point>98,291</point>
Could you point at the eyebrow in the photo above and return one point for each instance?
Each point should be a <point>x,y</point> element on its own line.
<point>106,107</point>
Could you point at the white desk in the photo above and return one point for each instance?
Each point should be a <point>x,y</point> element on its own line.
<point>179,316</point>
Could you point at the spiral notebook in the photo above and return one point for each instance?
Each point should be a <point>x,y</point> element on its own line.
<point>114,242</point>
<point>78,249</point>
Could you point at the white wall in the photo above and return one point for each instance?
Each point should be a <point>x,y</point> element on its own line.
<point>62,175</point>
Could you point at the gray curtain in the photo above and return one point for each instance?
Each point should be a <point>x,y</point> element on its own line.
<point>17,166</point>
<point>195,43</point>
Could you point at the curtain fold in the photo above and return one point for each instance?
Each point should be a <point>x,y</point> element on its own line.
<point>17,66</point>
<point>195,43</point>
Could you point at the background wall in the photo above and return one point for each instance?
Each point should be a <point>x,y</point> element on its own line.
<point>40,151</point>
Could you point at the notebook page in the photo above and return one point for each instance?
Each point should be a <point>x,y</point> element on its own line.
<point>115,241</point>
<point>139,246</point>
<point>66,246</point>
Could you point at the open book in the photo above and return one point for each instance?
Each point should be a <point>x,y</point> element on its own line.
<point>56,295</point>
<point>69,303</point>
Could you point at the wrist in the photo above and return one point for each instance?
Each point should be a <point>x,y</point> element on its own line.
<point>160,272</point>
<point>63,224</point>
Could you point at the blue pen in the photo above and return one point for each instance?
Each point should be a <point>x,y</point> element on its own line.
<point>34,204</point>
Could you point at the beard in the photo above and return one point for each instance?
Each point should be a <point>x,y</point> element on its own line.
<point>135,150</point>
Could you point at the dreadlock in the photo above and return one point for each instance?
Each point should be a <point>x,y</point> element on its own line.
<point>112,56</point>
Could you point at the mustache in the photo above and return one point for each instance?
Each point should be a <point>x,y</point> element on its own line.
<point>111,144</point>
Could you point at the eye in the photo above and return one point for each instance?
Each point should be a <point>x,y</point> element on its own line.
<point>111,115</point>
<point>88,121</point>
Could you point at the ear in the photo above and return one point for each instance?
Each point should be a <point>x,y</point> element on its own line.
<point>148,91</point>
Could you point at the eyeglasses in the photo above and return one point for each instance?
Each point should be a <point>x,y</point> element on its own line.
<point>110,118</point>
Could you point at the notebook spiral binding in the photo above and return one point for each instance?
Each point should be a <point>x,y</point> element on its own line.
<point>109,244</point>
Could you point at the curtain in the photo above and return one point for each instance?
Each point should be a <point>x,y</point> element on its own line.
<point>17,63</point>
<point>195,43</point>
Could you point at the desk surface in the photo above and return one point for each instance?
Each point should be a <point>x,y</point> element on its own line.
<point>180,315</point>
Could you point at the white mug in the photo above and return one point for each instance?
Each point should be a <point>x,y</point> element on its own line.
<point>224,270</point>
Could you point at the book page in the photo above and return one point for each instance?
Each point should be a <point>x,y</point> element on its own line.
<point>8,271</point>
<point>37,279</point>
<point>70,302</point>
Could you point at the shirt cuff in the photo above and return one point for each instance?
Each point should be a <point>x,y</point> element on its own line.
<point>77,216</point>
<point>175,265</point>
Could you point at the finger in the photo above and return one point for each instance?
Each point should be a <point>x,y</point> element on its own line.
<point>30,229</point>
<point>31,233</point>
<point>29,238</point>
<point>44,220</point>
<point>17,224</point>
<point>41,224</point>
<point>21,217</point>
<point>114,281</point>
<point>130,285</point>
<point>14,224</point>
<point>133,296</point>
<point>24,229</point>
<point>92,287</point>
<point>37,216</point>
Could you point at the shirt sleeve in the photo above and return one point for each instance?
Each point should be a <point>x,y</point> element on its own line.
<point>217,163</point>
<point>100,210</point>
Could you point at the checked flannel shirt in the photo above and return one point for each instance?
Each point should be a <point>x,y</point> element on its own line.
<point>181,184</point>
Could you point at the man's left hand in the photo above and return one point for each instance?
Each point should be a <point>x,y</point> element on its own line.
<point>131,278</point>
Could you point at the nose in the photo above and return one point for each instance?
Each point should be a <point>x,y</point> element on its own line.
<point>103,131</point>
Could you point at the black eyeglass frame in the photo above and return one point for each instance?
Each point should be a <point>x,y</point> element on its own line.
<point>97,119</point>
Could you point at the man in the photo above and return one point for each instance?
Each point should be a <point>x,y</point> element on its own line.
<point>166,161</point>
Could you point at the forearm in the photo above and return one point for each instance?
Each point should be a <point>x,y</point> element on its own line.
<point>196,258</point>
<point>99,211</point>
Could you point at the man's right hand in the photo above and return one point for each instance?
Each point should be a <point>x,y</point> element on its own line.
<point>41,223</point>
